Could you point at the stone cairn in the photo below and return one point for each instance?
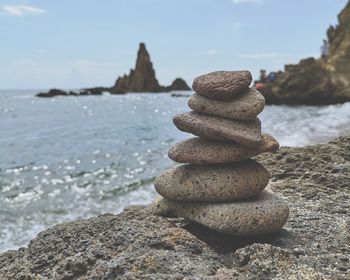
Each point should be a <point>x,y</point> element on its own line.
<point>219,186</point>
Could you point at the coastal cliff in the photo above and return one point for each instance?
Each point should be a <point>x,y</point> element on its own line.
<point>315,243</point>
<point>141,79</point>
<point>317,81</point>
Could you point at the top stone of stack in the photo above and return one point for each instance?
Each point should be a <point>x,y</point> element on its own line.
<point>221,85</point>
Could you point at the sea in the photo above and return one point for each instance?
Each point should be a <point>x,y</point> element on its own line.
<point>69,158</point>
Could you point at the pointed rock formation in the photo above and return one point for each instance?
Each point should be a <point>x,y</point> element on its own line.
<point>143,77</point>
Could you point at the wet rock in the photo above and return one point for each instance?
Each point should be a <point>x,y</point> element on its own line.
<point>247,133</point>
<point>263,214</point>
<point>214,183</point>
<point>222,84</point>
<point>201,151</point>
<point>244,107</point>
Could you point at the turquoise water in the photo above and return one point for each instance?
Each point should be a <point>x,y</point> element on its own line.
<point>74,157</point>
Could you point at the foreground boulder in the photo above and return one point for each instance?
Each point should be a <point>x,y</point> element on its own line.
<point>314,244</point>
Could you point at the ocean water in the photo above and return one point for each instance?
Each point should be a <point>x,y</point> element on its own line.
<point>67,158</point>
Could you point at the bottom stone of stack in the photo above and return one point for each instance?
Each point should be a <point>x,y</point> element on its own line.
<point>263,214</point>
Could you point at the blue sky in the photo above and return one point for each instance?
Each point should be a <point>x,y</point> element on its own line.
<point>80,43</point>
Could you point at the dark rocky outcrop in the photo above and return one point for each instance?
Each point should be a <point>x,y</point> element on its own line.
<point>178,84</point>
<point>317,82</point>
<point>315,243</point>
<point>55,92</point>
<point>141,79</point>
<point>82,92</point>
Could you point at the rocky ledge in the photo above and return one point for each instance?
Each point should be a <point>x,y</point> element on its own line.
<point>317,81</point>
<point>314,244</point>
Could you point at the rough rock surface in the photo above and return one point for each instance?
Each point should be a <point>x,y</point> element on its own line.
<point>314,244</point>
<point>201,151</point>
<point>214,183</point>
<point>244,107</point>
<point>222,84</point>
<point>216,128</point>
<point>265,213</point>
<point>317,82</point>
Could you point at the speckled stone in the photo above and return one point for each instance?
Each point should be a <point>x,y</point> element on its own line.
<point>201,151</point>
<point>222,84</point>
<point>266,213</point>
<point>247,133</point>
<point>215,183</point>
<point>245,107</point>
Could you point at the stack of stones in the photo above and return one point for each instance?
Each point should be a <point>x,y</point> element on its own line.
<point>219,186</point>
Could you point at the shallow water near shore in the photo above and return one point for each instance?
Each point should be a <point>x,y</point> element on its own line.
<point>67,158</point>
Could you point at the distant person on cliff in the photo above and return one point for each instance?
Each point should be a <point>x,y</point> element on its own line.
<point>263,76</point>
<point>325,51</point>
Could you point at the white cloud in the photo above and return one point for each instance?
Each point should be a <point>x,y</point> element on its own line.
<point>248,1</point>
<point>211,52</point>
<point>265,55</point>
<point>21,10</point>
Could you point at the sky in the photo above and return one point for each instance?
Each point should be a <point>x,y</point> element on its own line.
<point>84,43</point>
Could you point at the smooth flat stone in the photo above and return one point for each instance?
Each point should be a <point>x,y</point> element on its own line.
<point>247,133</point>
<point>222,84</point>
<point>264,214</point>
<point>214,183</point>
<point>245,107</point>
<point>201,151</point>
